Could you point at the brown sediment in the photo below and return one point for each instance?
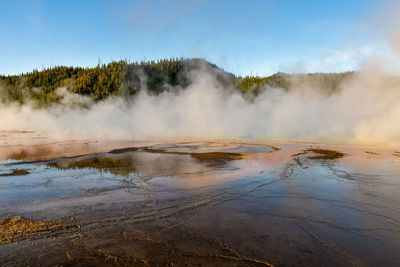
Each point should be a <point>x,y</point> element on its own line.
<point>19,228</point>
<point>324,153</point>
<point>117,166</point>
<point>16,173</point>
<point>32,153</point>
<point>274,148</point>
<point>372,153</point>
<point>19,155</point>
<point>124,150</point>
<point>396,153</point>
<point>212,158</point>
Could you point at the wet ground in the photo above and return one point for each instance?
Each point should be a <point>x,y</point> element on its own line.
<point>226,203</point>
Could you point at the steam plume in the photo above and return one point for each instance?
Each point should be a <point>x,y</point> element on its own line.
<point>365,109</point>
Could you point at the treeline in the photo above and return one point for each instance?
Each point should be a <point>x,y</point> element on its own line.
<point>329,82</point>
<point>256,84</point>
<point>127,79</point>
<point>115,78</point>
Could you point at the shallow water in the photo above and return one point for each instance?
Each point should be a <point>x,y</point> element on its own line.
<point>207,203</point>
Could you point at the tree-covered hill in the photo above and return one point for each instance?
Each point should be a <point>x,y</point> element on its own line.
<point>127,79</point>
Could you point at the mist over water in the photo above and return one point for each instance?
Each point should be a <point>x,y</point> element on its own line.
<point>364,109</point>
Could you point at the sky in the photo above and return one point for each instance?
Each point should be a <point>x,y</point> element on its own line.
<point>258,37</point>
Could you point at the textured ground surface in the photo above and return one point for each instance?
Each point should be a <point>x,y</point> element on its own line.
<point>226,203</point>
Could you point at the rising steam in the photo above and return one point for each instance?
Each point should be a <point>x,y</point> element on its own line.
<point>365,109</point>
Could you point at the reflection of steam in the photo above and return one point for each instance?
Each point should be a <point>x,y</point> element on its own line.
<point>137,160</point>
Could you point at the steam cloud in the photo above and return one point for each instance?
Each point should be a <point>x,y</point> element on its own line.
<point>366,110</point>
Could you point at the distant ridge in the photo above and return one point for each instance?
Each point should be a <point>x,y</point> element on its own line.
<point>123,79</point>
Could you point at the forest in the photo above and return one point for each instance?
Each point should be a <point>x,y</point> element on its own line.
<point>123,79</point>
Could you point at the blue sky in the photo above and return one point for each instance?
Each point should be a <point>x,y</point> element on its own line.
<point>245,37</point>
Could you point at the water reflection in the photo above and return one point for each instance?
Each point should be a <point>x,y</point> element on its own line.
<point>215,203</point>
